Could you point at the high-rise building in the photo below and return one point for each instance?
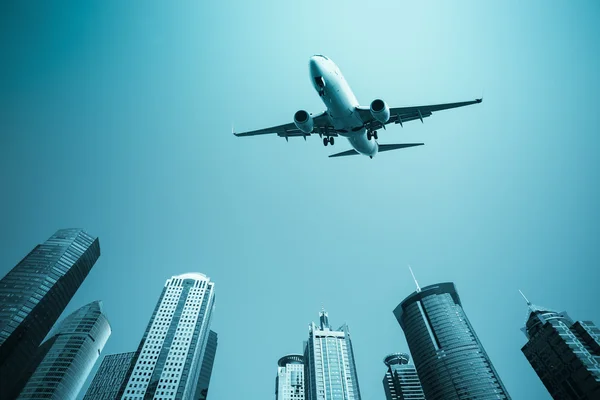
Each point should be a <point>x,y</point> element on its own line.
<point>110,379</point>
<point>207,366</point>
<point>449,357</point>
<point>74,347</point>
<point>401,381</point>
<point>330,371</point>
<point>289,383</point>
<point>170,354</point>
<point>564,354</point>
<point>32,297</point>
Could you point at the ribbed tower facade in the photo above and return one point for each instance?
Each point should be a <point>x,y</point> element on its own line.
<point>401,381</point>
<point>451,361</point>
<point>207,366</point>
<point>289,383</point>
<point>169,357</point>
<point>32,297</point>
<point>72,351</point>
<point>110,379</point>
<point>564,354</point>
<point>330,371</point>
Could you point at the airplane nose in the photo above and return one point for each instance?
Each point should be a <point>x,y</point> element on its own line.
<point>315,69</point>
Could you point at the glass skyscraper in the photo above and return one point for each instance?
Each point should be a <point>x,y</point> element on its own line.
<point>289,383</point>
<point>170,354</point>
<point>72,350</point>
<point>110,379</point>
<point>207,366</point>
<point>330,371</point>
<point>451,361</point>
<point>32,297</point>
<point>564,354</point>
<point>401,381</point>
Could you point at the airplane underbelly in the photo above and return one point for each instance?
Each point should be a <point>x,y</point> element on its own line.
<point>362,144</point>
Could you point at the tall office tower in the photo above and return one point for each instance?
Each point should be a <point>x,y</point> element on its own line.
<point>110,379</point>
<point>170,354</point>
<point>565,355</point>
<point>330,372</point>
<point>72,351</point>
<point>289,383</point>
<point>207,366</point>
<point>401,381</point>
<point>450,359</point>
<point>32,297</point>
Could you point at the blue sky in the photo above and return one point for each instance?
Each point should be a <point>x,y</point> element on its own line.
<point>116,117</point>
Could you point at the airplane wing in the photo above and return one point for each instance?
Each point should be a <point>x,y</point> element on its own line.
<point>399,115</point>
<point>322,127</point>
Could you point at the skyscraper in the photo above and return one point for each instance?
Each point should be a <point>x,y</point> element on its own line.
<point>32,297</point>
<point>289,383</point>
<point>73,350</point>
<point>207,366</point>
<point>170,354</point>
<point>110,379</point>
<point>401,381</point>
<point>564,354</point>
<point>450,359</point>
<point>330,372</point>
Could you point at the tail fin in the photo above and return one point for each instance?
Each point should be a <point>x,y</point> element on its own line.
<point>345,153</point>
<point>382,147</point>
<point>388,147</point>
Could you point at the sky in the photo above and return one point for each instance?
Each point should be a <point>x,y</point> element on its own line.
<point>115,117</point>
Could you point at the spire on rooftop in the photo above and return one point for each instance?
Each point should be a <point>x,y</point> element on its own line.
<point>415,279</point>
<point>324,319</point>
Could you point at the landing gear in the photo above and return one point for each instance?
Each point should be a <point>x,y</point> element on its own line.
<point>372,135</point>
<point>328,140</point>
<point>375,135</point>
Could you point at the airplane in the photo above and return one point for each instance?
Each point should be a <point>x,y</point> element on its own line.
<point>345,117</point>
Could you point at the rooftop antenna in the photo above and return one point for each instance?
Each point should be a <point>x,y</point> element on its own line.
<point>415,279</point>
<point>526,300</point>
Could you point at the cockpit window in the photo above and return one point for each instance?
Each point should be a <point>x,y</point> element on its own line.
<point>321,55</point>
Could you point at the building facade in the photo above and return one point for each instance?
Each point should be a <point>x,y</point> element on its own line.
<point>74,347</point>
<point>448,355</point>
<point>401,381</point>
<point>170,354</point>
<point>564,354</point>
<point>207,365</point>
<point>289,383</point>
<point>32,297</point>
<point>110,379</point>
<point>330,370</point>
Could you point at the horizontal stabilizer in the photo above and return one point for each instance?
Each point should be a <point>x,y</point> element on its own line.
<point>387,147</point>
<point>345,153</point>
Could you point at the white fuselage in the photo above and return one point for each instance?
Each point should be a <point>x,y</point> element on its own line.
<point>341,104</point>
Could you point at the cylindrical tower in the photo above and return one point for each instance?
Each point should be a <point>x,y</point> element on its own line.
<point>450,359</point>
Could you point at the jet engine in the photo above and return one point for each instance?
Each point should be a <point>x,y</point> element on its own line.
<point>304,121</point>
<point>380,111</point>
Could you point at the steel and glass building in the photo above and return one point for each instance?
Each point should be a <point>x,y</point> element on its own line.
<point>330,371</point>
<point>564,354</point>
<point>207,365</point>
<point>289,383</point>
<point>73,348</point>
<point>32,297</point>
<point>401,381</point>
<point>110,379</point>
<point>449,357</point>
<point>169,358</point>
